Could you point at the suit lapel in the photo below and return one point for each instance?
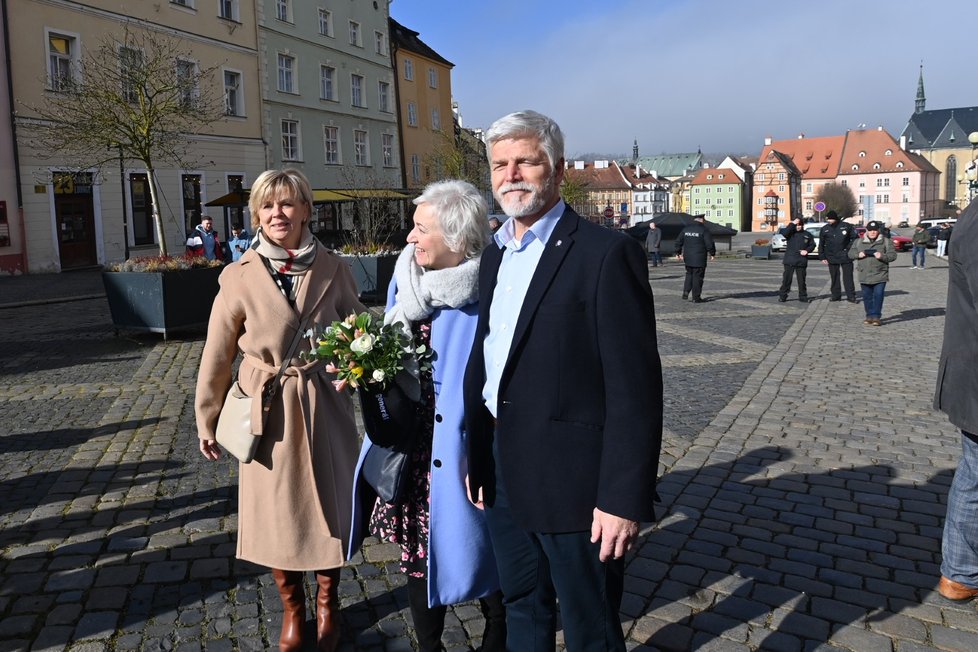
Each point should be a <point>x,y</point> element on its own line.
<point>560,243</point>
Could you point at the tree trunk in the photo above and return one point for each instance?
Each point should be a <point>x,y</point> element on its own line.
<point>157,218</point>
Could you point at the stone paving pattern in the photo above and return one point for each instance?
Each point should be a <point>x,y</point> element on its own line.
<point>803,488</point>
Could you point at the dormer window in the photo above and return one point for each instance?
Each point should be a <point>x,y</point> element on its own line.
<point>862,154</point>
<point>876,166</point>
<point>899,165</point>
<point>709,177</point>
<point>855,168</point>
<point>888,152</point>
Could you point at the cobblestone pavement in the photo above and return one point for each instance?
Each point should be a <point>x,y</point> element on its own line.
<point>804,489</point>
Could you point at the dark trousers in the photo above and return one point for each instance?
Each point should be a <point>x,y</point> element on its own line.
<point>846,269</point>
<point>694,281</point>
<point>536,570</point>
<point>801,273</point>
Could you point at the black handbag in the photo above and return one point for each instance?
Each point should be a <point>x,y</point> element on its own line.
<point>386,470</point>
<point>389,417</point>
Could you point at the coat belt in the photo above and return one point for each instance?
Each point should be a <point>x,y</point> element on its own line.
<point>300,372</point>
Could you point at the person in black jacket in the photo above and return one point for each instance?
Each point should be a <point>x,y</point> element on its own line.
<point>799,243</point>
<point>693,245</point>
<point>834,241</point>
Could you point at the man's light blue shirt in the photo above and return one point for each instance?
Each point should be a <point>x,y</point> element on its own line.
<point>519,262</point>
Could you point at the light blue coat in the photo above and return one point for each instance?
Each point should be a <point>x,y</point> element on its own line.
<point>461,565</point>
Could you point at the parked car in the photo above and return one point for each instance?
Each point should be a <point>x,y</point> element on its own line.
<point>815,228</point>
<point>778,243</point>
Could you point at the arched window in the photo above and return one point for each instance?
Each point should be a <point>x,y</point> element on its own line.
<point>951,180</point>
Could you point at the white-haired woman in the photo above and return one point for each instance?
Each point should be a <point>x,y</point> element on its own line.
<point>446,553</point>
<point>294,497</point>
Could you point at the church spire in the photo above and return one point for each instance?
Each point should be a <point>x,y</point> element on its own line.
<point>635,151</point>
<point>921,100</point>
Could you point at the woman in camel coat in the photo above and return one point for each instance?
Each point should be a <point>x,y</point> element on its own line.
<point>294,498</point>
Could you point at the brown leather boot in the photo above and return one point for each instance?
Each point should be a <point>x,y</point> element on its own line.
<point>293,597</point>
<point>328,610</point>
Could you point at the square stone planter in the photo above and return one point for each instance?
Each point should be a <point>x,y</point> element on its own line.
<point>373,275</point>
<point>760,251</point>
<point>161,302</point>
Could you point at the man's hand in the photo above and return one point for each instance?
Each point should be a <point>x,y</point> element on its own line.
<point>616,534</point>
<point>679,256</point>
<point>803,252</point>
<point>825,262</point>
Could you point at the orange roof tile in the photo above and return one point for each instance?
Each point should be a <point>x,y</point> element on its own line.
<point>815,158</point>
<point>869,148</point>
<point>720,176</point>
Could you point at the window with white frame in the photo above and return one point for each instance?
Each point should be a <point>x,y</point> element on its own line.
<point>187,82</point>
<point>361,148</point>
<point>412,114</point>
<point>435,119</point>
<point>325,22</point>
<point>380,45</point>
<point>286,73</point>
<point>384,96</point>
<point>327,82</point>
<point>432,77</point>
<point>356,90</point>
<point>409,69</point>
<point>355,38</point>
<point>130,61</point>
<point>290,140</point>
<point>415,168</point>
<point>228,9</point>
<point>283,10</point>
<point>906,181</point>
<point>62,61</point>
<point>183,3</point>
<point>233,96</point>
<point>387,140</point>
<point>331,144</point>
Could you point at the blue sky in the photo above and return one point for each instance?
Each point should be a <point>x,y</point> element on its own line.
<point>714,74</point>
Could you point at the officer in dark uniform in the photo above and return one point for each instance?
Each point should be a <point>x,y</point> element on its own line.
<point>799,243</point>
<point>834,241</point>
<point>693,245</point>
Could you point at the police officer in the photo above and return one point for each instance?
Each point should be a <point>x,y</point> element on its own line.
<point>799,243</point>
<point>834,241</point>
<point>692,246</point>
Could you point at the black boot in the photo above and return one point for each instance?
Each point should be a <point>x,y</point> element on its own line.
<point>494,635</point>
<point>429,622</point>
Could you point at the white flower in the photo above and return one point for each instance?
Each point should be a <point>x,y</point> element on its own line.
<point>363,344</point>
<point>378,375</point>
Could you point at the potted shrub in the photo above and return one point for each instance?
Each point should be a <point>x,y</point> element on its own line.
<point>160,294</point>
<point>761,248</point>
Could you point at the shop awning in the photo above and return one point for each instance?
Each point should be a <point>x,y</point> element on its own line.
<point>375,193</point>
<point>232,199</point>
<point>329,195</point>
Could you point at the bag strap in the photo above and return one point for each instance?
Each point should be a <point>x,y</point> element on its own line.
<point>269,394</point>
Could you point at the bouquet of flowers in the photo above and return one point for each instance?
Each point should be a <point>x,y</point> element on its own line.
<point>364,353</point>
<point>381,362</point>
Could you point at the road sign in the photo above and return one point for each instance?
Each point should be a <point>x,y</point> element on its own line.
<point>820,206</point>
<point>609,212</point>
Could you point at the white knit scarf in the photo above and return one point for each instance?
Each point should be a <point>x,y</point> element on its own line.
<point>420,291</point>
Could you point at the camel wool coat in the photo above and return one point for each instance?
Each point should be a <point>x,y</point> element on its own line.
<point>294,498</point>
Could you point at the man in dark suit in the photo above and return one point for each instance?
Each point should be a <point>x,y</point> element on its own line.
<point>563,398</point>
<point>693,246</point>
<point>957,396</point>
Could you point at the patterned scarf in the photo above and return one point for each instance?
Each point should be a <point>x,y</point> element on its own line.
<point>292,262</point>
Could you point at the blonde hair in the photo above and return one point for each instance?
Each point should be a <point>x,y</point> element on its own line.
<point>274,184</point>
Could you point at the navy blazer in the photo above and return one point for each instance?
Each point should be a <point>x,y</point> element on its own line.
<point>580,397</point>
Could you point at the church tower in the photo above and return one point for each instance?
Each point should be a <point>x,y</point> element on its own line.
<point>921,100</point>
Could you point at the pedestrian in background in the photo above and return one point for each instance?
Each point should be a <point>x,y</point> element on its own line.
<point>798,244</point>
<point>446,553</point>
<point>294,498</point>
<point>873,254</point>
<point>920,238</point>
<point>834,241</point>
<point>652,242</point>
<point>238,243</point>
<point>693,246</point>
<point>957,396</point>
<point>205,241</point>
<point>943,237</point>
<point>564,424</point>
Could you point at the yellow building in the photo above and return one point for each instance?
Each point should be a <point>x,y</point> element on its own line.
<point>423,84</point>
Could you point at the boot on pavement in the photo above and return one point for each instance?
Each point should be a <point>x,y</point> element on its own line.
<point>328,610</point>
<point>293,597</point>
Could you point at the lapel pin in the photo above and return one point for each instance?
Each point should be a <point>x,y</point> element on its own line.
<point>559,242</point>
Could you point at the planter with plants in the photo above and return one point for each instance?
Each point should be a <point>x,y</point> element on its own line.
<point>761,249</point>
<point>161,294</point>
